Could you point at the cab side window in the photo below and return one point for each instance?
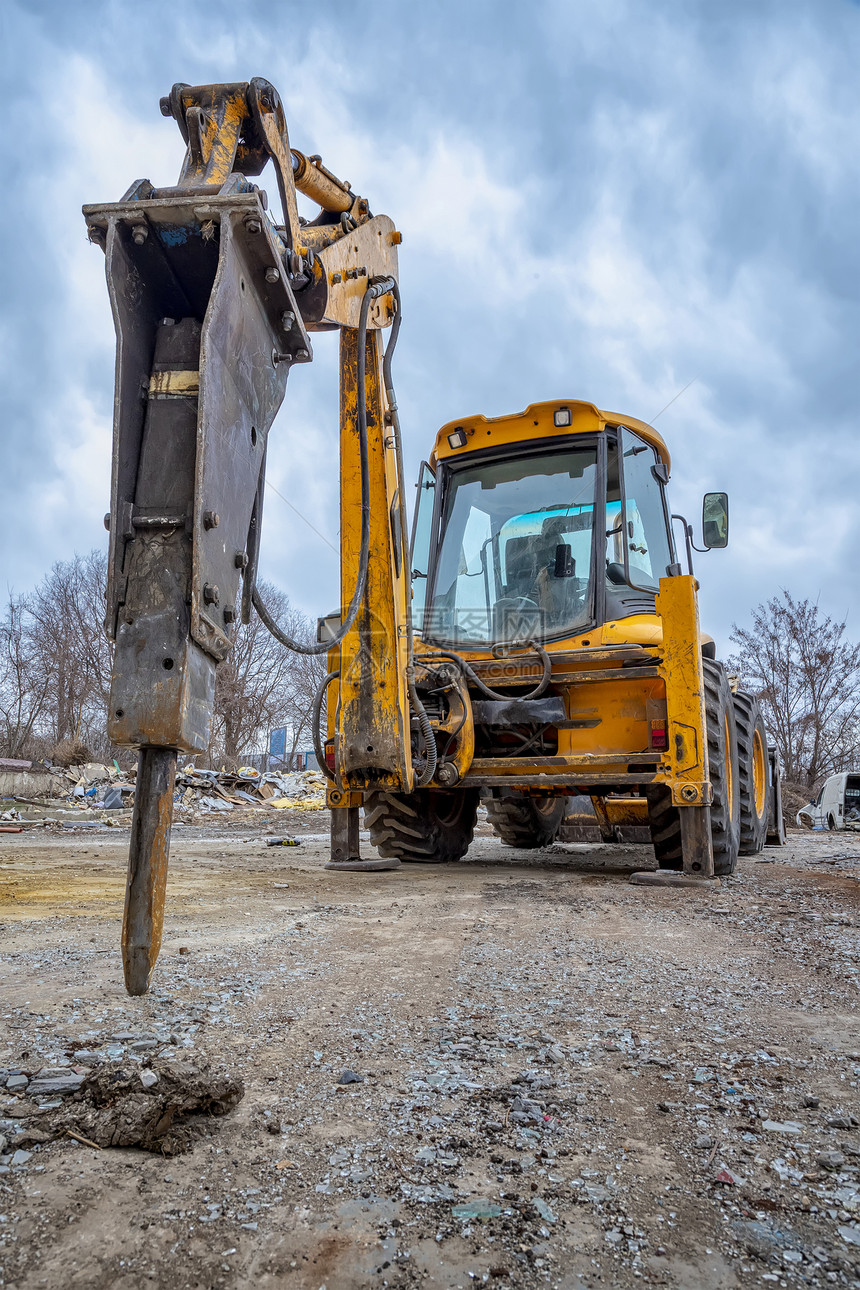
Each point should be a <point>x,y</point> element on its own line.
<point>422,533</point>
<point>645,526</point>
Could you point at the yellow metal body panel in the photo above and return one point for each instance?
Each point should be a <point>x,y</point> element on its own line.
<point>536,423</point>
<point>345,267</point>
<point>372,735</point>
<point>640,629</point>
<point>632,811</point>
<point>685,691</point>
<point>336,797</point>
<point>624,710</point>
<point>609,738</point>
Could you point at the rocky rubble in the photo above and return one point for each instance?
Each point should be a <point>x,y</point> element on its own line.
<point>522,1076</point>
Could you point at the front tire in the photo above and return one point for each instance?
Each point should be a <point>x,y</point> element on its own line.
<point>526,822</point>
<point>430,826</point>
<point>752,773</point>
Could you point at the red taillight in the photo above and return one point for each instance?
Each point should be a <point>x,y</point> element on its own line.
<point>329,755</point>
<point>659,735</point>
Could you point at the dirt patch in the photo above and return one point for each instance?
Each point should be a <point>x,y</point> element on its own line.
<point>163,1107</point>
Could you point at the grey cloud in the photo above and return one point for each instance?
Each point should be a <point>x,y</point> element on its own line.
<point>644,193</point>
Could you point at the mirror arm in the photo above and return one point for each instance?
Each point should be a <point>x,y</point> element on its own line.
<point>688,539</point>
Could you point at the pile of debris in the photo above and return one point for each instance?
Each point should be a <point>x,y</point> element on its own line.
<point>162,1106</point>
<point>95,786</point>
<point>212,790</point>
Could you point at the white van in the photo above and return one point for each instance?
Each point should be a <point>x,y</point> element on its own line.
<point>837,805</point>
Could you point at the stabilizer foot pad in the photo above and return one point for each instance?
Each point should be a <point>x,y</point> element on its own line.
<point>363,866</point>
<point>669,878</point>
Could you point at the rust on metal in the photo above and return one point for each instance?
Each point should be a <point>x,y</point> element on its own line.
<point>143,919</point>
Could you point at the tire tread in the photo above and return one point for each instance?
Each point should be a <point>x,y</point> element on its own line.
<point>518,824</point>
<point>407,827</point>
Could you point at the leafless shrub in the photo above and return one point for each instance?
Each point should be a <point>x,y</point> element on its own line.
<point>70,752</point>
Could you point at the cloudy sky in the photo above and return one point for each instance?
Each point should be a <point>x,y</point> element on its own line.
<point>600,199</point>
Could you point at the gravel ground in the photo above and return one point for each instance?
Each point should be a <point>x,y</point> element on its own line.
<point>562,1079</point>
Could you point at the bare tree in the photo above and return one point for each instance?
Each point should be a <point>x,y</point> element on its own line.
<point>807,676</point>
<point>24,685</point>
<point>55,665</point>
<point>307,674</point>
<point>63,619</point>
<point>261,686</point>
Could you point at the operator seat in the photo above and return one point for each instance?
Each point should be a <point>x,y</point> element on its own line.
<point>524,559</point>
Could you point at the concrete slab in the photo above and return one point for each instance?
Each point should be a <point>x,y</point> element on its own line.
<point>669,878</point>
<point>362,866</point>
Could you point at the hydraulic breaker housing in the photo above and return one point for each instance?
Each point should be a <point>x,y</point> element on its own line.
<point>207,329</point>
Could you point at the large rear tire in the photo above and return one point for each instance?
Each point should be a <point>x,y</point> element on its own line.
<point>752,773</point>
<point>723,765</point>
<point>526,822</point>
<point>430,826</point>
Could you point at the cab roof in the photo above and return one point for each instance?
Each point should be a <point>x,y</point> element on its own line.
<point>536,422</point>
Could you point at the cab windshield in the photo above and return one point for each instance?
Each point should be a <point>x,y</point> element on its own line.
<point>515,556</point>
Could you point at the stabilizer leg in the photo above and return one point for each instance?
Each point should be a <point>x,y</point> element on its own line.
<point>698,855</point>
<point>345,845</point>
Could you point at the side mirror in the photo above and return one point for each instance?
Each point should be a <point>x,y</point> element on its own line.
<point>715,519</point>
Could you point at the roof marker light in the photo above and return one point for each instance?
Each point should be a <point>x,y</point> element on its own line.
<point>562,417</point>
<point>458,438</point>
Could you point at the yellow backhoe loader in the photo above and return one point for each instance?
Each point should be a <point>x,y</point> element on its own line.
<point>536,639</point>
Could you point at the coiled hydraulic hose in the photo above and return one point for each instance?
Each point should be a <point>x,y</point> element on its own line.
<point>316,717</point>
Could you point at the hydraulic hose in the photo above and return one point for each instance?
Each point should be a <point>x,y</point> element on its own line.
<point>472,675</point>
<point>316,714</point>
<point>322,647</point>
<point>431,755</point>
<point>375,289</point>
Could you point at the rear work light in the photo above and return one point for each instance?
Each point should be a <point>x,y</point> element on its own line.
<point>458,438</point>
<point>659,735</point>
<point>562,417</point>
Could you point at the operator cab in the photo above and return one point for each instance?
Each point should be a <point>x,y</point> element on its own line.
<point>539,527</point>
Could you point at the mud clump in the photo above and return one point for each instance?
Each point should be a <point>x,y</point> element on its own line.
<point>162,1108</point>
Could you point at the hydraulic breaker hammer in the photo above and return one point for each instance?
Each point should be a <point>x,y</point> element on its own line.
<point>213,302</point>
